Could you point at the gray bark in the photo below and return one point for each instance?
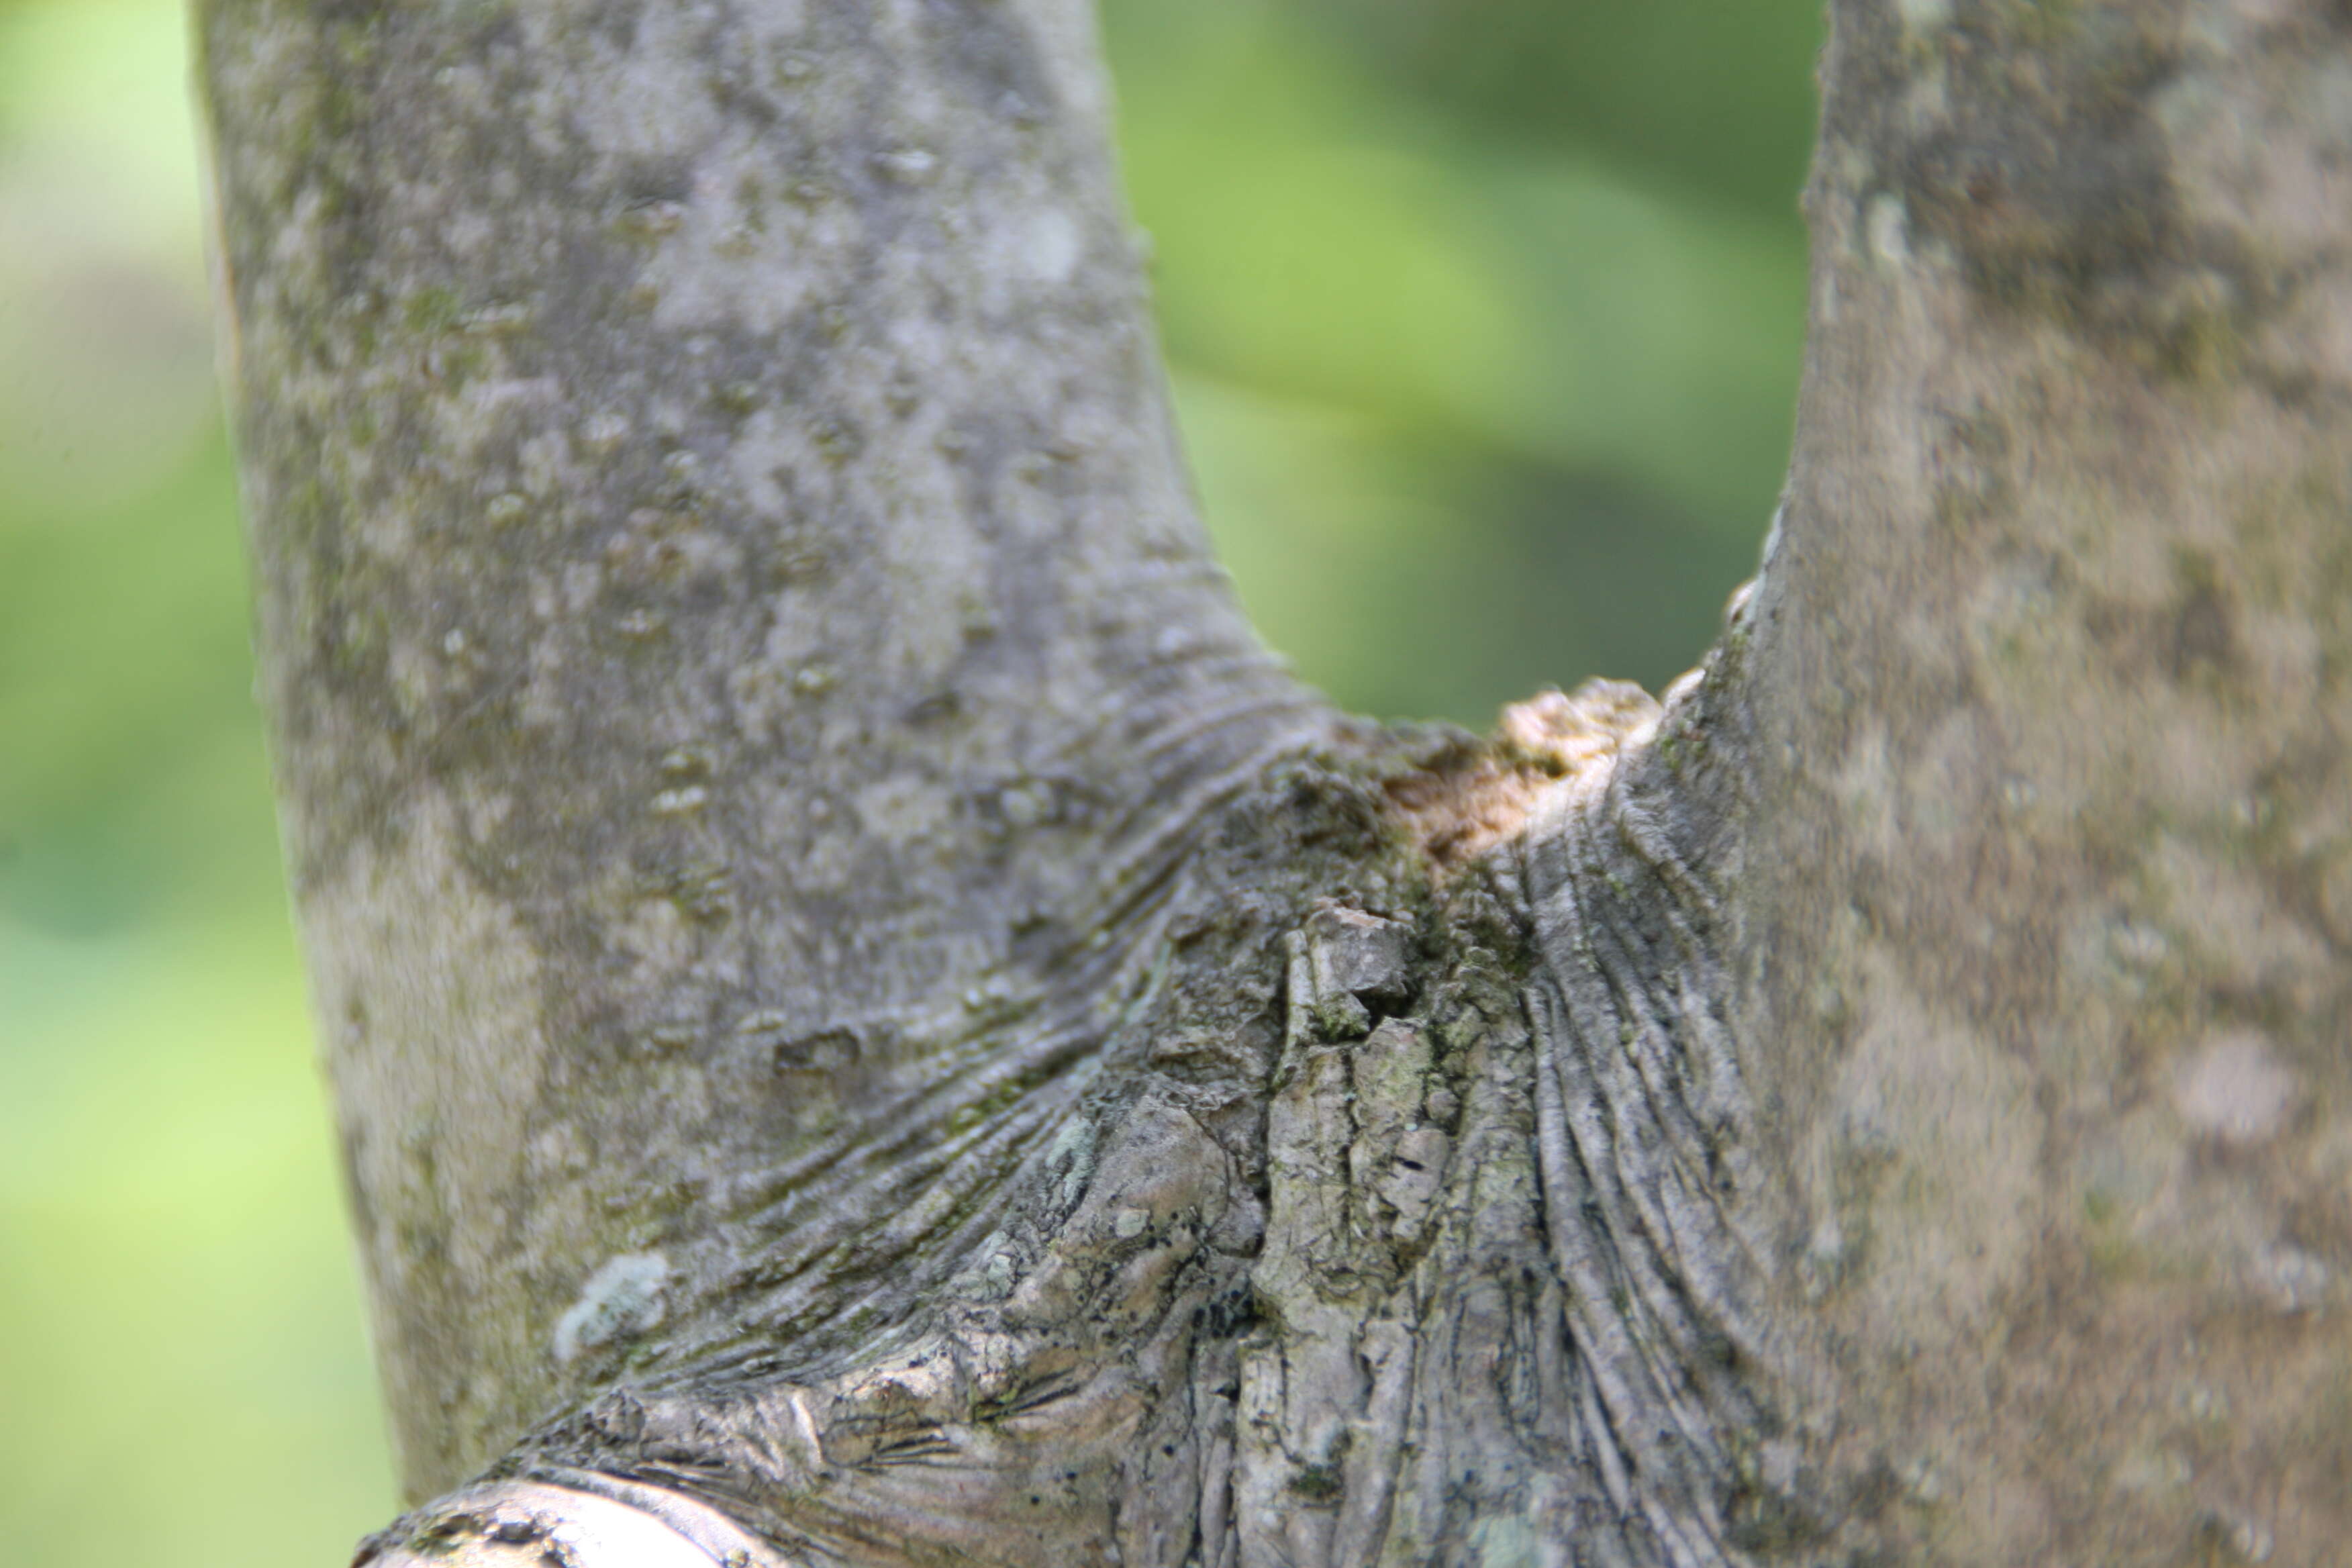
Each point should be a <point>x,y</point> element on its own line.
<point>2049,897</point>
<point>871,1024</point>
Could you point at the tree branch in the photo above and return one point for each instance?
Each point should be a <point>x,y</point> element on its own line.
<point>743,660</point>
<point>2044,916</point>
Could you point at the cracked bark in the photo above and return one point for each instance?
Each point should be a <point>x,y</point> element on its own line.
<point>871,1024</point>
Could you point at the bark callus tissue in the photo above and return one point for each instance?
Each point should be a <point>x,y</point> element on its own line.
<point>1301,1281</point>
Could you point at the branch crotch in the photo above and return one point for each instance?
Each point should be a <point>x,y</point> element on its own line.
<point>1399,1228</point>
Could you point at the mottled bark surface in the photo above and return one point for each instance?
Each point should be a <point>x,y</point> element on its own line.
<point>743,656</point>
<point>2048,912</point>
<point>871,1024</point>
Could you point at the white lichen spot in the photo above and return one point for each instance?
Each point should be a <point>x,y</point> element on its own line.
<point>581,582</point>
<point>2153,1471</point>
<point>1927,103</point>
<point>909,165</point>
<point>621,1300</point>
<point>753,692</point>
<point>902,810</point>
<point>992,1279</point>
<point>485,809</point>
<point>1024,806</point>
<point>1890,229</point>
<point>2137,946</point>
<point>1073,1154</point>
<point>657,935</point>
<point>507,319</point>
<point>1506,1542</point>
<point>1923,1481</point>
<point>765,1027</point>
<point>1823,1261</point>
<point>993,995</point>
<point>2235,1090</point>
<point>1128,1224</point>
<point>2203,1404</point>
<point>557,1154</point>
<point>1050,247</point>
<point>1924,15</point>
<point>2249,1540</point>
<point>680,801</point>
<point>2290,1278</point>
<point>601,433</point>
<point>684,762</point>
<point>653,220</point>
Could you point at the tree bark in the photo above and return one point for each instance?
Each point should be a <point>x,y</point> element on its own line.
<point>871,1024</point>
<point>2049,897</point>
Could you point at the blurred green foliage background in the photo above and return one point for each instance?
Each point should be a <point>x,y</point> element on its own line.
<point>1485,318</point>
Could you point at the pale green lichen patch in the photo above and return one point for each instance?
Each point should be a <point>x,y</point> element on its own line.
<point>1925,1105</point>
<point>2236,1089</point>
<point>622,1299</point>
<point>428,1050</point>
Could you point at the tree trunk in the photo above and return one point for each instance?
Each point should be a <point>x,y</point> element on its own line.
<point>872,1024</point>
